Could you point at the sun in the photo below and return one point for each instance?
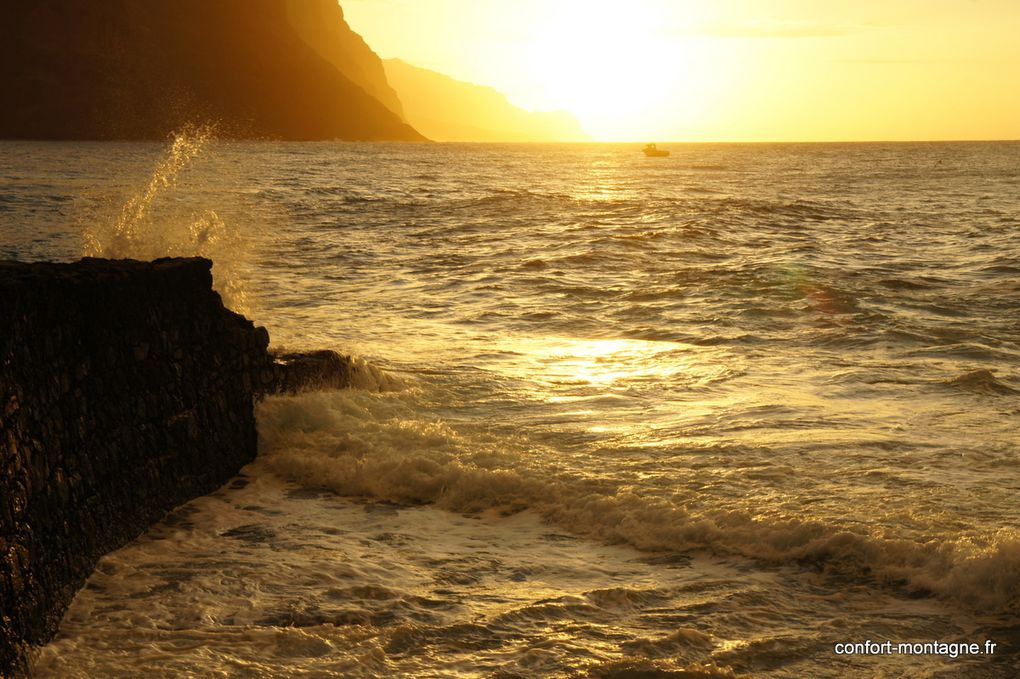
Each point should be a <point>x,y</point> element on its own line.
<point>616,71</point>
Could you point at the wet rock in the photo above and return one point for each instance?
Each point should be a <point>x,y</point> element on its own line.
<point>324,369</point>
<point>107,373</point>
<point>126,389</point>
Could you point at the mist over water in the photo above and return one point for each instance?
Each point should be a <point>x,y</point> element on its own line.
<point>723,409</point>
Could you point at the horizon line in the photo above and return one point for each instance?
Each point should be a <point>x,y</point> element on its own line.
<point>732,141</point>
<point>535,143</point>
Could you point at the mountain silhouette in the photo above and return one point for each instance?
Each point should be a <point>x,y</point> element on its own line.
<point>132,69</point>
<point>445,109</point>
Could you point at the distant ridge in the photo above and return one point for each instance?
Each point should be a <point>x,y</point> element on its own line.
<point>127,69</point>
<point>322,25</point>
<point>445,109</point>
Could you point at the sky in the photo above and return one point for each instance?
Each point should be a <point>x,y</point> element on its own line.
<point>726,70</point>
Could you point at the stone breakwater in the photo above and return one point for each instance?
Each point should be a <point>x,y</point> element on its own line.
<point>126,388</point>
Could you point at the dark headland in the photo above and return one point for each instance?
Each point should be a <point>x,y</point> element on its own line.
<point>125,69</point>
<point>126,389</point>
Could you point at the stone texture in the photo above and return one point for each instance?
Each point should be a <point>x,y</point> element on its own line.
<point>314,370</point>
<point>126,388</point>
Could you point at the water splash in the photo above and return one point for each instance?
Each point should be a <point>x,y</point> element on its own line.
<point>153,222</point>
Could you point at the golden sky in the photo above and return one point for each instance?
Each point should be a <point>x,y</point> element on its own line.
<point>726,70</point>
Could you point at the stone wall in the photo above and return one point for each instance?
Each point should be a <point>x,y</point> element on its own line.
<point>126,388</point>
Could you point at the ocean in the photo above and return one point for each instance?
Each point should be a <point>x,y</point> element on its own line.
<point>710,415</point>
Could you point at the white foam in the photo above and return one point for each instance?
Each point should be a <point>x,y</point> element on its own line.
<point>156,221</point>
<point>382,446</point>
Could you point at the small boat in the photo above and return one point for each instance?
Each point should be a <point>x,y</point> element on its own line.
<point>652,152</point>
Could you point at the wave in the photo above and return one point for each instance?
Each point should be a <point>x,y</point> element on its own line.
<point>647,669</point>
<point>380,446</point>
<point>906,284</point>
<point>981,381</point>
<point>806,210</point>
<point>708,167</point>
<point>154,222</point>
<point>514,198</point>
<point>620,207</point>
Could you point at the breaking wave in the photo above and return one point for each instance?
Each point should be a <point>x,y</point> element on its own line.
<point>372,445</point>
<point>154,222</point>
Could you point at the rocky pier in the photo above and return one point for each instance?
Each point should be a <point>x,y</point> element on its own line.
<point>126,389</point>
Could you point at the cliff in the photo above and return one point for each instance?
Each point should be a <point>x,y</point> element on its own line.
<point>445,109</point>
<point>126,388</point>
<point>138,69</point>
<point>321,24</point>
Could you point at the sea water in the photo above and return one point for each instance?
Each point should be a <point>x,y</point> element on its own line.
<point>718,412</point>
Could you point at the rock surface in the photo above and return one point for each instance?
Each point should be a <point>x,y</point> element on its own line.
<point>322,25</point>
<point>126,388</point>
<point>314,370</point>
<point>128,69</point>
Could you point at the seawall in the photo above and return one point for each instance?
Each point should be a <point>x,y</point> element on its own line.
<point>126,388</point>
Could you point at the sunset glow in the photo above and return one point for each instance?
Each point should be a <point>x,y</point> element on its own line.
<point>509,338</point>
<point>610,70</point>
<point>726,71</point>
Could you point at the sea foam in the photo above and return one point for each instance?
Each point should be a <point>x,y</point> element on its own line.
<point>374,445</point>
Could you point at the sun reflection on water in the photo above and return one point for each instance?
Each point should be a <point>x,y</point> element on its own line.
<point>606,363</point>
